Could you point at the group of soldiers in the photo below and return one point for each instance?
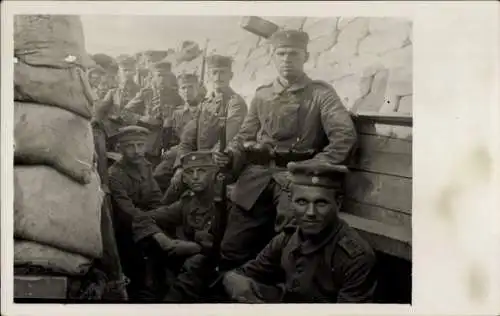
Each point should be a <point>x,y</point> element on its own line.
<point>179,142</point>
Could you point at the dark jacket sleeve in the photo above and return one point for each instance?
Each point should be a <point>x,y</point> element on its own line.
<point>267,264</point>
<point>156,196</point>
<point>125,207</point>
<point>158,221</point>
<point>338,126</point>
<point>359,280</point>
<point>188,140</point>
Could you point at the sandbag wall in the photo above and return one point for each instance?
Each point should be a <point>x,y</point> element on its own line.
<point>57,193</point>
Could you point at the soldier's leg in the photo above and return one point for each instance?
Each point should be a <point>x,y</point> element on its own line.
<point>191,284</point>
<point>248,232</point>
<point>282,200</point>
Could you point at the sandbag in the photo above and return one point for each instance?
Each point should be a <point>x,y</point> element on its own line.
<point>51,209</point>
<point>50,40</point>
<point>55,137</point>
<point>52,259</point>
<point>65,88</point>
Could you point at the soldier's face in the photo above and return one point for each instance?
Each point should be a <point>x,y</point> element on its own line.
<point>198,178</point>
<point>219,77</point>
<point>189,91</point>
<point>289,61</point>
<point>133,151</point>
<point>126,74</point>
<point>315,208</point>
<point>164,79</point>
<point>95,78</point>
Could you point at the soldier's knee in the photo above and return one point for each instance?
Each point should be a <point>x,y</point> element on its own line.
<point>195,262</point>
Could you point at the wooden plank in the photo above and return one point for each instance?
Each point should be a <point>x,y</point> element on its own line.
<point>380,214</point>
<point>384,155</point>
<point>381,190</point>
<point>370,128</point>
<point>46,287</point>
<point>389,239</point>
<point>388,118</point>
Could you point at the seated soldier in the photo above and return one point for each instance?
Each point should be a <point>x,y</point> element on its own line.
<point>322,260</point>
<point>183,229</point>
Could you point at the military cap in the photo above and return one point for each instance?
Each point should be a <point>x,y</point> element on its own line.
<point>126,62</point>
<point>162,66</point>
<point>187,78</point>
<point>106,62</point>
<point>200,158</point>
<point>289,38</point>
<point>314,173</point>
<point>219,61</point>
<point>131,133</point>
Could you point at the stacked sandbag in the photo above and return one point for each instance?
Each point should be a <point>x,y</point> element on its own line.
<point>57,197</point>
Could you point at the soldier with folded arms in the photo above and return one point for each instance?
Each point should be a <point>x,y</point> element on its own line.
<point>321,260</point>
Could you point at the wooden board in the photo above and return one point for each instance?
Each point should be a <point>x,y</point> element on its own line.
<point>40,287</point>
<point>385,155</point>
<point>389,118</point>
<point>386,191</point>
<point>380,214</point>
<point>370,128</point>
<point>386,238</point>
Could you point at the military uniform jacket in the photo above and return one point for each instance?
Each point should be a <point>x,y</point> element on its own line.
<point>116,99</point>
<point>185,219</point>
<point>307,115</point>
<point>203,132</point>
<point>180,119</point>
<point>133,191</point>
<point>338,270</point>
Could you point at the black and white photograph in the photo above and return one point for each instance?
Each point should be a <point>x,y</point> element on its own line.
<point>208,159</point>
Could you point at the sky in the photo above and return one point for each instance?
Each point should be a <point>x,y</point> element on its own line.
<point>118,34</point>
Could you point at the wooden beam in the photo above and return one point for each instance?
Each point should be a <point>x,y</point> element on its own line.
<point>393,240</point>
<point>381,190</point>
<point>384,155</point>
<point>40,287</point>
<point>380,214</point>
<point>389,118</point>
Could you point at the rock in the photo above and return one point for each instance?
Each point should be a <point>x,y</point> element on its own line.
<point>406,105</point>
<point>262,51</point>
<point>341,51</point>
<point>352,88</point>
<point>363,66</point>
<point>382,42</point>
<point>375,99</point>
<point>383,25</point>
<point>354,31</point>
<point>400,81</point>
<point>287,22</point>
<point>344,21</point>
<point>317,27</point>
<point>312,62</point>
<point>402,57</point>
<point>322,43</point>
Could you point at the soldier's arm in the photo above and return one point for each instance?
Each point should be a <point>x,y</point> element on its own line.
<point>103,107</point>
<point>162,219</point>
<point>156,194</point>
<point>126,209</point>
<point>250,126</point>
<point>359,280</point>
<point>267,264</point>
<point>338,126</point>
<point>137,103</point>
<point>236,113</point>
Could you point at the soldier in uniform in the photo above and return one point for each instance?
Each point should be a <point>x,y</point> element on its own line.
<point>321,260</point>
<point>221,104</point>
<point>183,229</point>
<point>189,88</point>
<point>116,99</point>
<point>153,105</point>
<point>292,118</point>
<point>133,191</point>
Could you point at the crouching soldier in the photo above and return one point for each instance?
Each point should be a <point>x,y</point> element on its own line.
<point>183,229</point>
<point>322,260</point>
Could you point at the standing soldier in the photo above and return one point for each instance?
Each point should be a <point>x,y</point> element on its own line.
<point>189,89</point>
<point>293,118</point>
<point>223,103</point>
<point>153,105</point>
<point>133,191</point>
<point>322,260</point>
<point>116,99</point>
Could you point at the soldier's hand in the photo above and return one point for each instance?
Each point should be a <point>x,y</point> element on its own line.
<point>177,178</point>
<point>222,159</point>
<point>183,248</point>
<point>240,288</point>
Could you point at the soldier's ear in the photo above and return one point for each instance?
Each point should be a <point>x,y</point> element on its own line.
<point>306,56</point>
<point>231,74</point>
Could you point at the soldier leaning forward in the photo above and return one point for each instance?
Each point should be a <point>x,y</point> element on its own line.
<point>133,191</point>
<point>183,230</point>
<point>189,89</point>
<point>152,105</point>
<point>293,118</point>
<point>113,103</point>
<point>222,106</point>
<point>322,260</point>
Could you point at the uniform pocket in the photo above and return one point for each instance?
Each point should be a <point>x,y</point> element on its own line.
<point>283,120</point>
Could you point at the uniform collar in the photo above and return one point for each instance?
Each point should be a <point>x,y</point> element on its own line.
<point>299,244</point>
<point>297,85</point>
<point>138,172</point>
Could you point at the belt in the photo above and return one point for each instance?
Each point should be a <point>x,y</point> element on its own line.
<point>280,160</point>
